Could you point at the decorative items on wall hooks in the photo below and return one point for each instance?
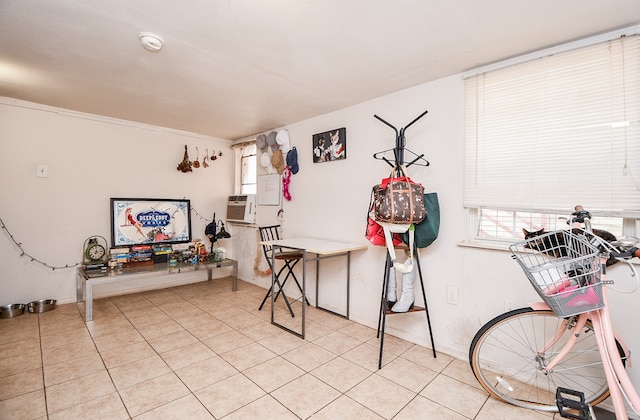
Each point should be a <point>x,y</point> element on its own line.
<point>205,164</point>
<point>187,166</point>
<point>278,157</point>
<point>196,163</point>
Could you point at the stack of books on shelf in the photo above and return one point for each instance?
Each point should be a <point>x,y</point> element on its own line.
<point>119,256</point>
<point>95,267</point>
<point>140,255</point>
<point>160,252</point>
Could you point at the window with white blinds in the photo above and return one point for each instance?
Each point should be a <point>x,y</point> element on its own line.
<point>557,131</point>
<point>245,179</point>
<point>248,170</point>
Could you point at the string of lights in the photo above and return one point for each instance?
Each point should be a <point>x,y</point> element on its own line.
<point>25,254</point>
<point>204,219</point>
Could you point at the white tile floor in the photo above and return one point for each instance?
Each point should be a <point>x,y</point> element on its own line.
<point>200,351</point>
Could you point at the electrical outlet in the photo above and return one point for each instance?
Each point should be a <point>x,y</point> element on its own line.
<point>452,295</point>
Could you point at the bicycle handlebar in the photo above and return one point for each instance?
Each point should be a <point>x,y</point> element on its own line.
<point>580,215</point>
<point>630,253</point>
<point>622,250</point>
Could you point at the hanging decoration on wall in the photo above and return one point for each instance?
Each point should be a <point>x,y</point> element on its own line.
<point>205,164</point>
<point>185,165</point>
<point>330,145</point>
<point>196,163</point>
<point>286,180</point>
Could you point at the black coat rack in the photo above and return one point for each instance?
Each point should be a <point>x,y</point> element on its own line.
<point>400,149</point>
<point>398,154</point>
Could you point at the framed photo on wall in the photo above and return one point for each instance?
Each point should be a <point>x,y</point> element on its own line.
<point>330,145</point>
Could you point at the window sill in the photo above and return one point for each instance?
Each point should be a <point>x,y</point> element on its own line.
<point>495,245</point>
<point>503,246</point>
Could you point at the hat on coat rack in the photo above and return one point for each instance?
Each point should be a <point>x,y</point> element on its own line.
<point>265,161</point>
<point>271,140</point>
<point>282,138</point>
<point>261,142</point>
<point>277,161</point>
<point>292,160</point>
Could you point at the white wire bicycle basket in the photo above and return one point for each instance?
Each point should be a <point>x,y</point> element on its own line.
<point>564,268</point>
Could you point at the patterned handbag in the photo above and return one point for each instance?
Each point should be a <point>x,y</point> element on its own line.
<point>398,199</point>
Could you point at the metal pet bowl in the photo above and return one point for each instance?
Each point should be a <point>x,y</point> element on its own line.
<point>40,306</point>
<point>11,311</point>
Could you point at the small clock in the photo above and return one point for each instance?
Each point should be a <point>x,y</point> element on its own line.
<point>95,250</point>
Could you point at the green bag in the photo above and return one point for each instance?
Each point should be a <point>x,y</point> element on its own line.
<point>427,230</point>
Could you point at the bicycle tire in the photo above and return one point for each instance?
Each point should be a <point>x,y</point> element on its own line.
<point>504,359</point>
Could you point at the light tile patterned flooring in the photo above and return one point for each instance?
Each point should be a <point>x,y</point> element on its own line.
<point>200,351</point>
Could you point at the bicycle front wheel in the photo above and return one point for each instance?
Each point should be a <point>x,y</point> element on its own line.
<point>507,357</point>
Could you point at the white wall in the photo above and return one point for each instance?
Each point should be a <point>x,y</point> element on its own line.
<point>90,159</point>
<point>53,216</point>
<point>330,201</point>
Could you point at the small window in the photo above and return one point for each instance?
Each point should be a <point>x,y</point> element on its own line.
<point>508,225</point>
<point>248,170</point>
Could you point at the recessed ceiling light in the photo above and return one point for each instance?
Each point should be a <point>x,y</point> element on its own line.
<point>150,41</point>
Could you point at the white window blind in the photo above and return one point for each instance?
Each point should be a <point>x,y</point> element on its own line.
<point>557,131</point>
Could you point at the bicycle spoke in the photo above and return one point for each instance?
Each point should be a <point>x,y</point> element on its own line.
<point>509,359</point>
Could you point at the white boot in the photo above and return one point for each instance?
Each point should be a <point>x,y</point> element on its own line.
<point>408,297</point>
<point>389,229</point>
<point>392,288</point>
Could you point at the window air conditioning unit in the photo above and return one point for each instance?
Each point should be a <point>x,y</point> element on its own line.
<point>241,208</point>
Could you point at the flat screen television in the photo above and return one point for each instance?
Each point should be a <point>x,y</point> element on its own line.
<point>149,221</point>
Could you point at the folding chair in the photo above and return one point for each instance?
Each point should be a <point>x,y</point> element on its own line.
<point>289,258</point>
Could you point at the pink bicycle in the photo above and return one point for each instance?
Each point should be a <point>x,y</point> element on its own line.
<point>561,354</point>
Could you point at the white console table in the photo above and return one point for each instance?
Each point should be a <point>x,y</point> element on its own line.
<point>86,280</point>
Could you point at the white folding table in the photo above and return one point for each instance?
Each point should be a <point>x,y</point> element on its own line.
<point>322,249</point>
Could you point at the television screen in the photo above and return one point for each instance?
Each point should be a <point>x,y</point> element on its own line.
<point>136,221</point>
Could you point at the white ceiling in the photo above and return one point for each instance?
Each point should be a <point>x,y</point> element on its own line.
<point>234,68</point>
